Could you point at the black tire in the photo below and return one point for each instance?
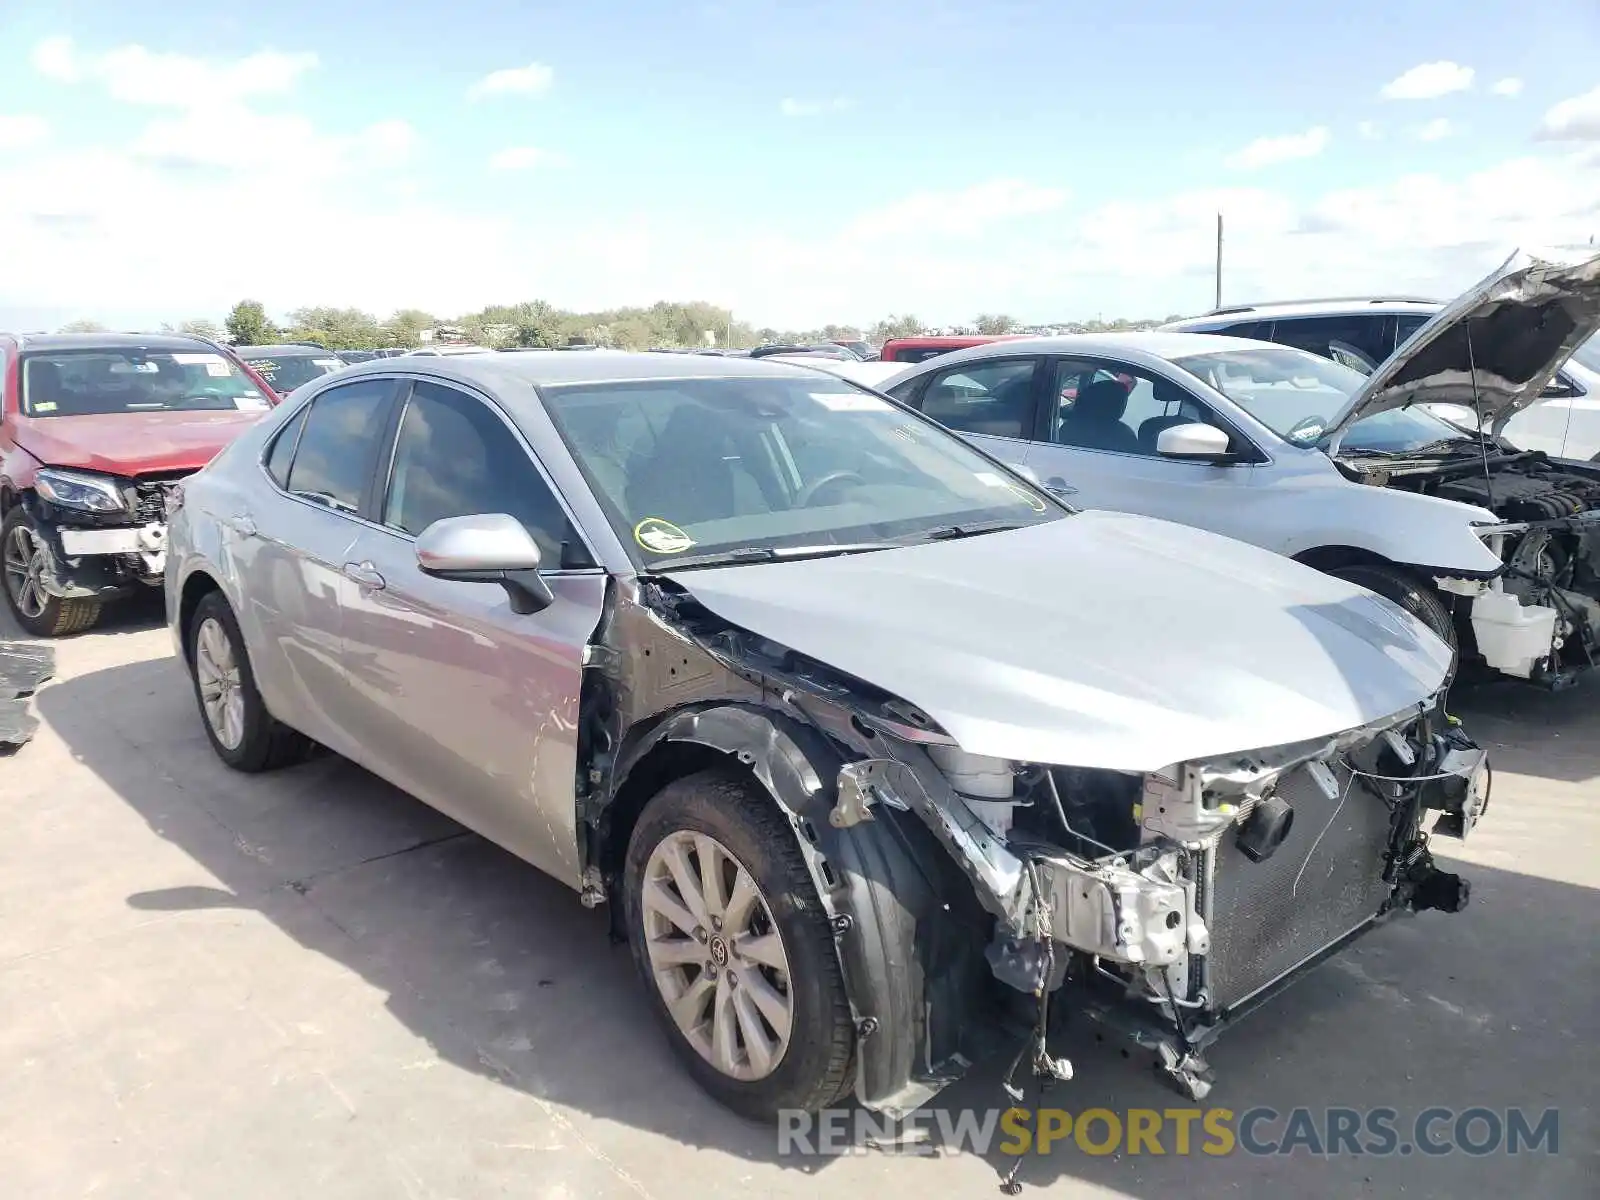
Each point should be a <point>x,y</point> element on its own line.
<point>816,1069</point>
<point>267,743</point>
<point>1401,587</point>
<point>57,617</point>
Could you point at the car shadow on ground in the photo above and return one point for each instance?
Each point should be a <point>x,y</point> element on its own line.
<point>501,972</point>
<point>1500,715</point>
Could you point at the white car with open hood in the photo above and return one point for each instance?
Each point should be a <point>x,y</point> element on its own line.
<point>1497,548</point>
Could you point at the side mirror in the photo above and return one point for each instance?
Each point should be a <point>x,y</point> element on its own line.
<point>487,548</point>
<point>1195,442</point>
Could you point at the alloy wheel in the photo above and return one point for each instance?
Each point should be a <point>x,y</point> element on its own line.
<point>221,695</point>
<point>25,558</point>
<point>716,955</point>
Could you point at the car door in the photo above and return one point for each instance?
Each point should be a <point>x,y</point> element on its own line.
<point>993,402</point>
<point>464,703</point>
<point>1102,442</point>
<point>292,536</point>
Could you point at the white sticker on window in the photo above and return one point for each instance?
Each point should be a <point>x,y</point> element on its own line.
<point>852,402</point>
<point>194,360</point>
<point>988,479</point>
<point>218,369</point>
<point>333,364</point>
<point>250,403</point>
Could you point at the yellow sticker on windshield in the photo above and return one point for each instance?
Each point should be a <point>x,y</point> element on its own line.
<point>40,406</point>
<point>1027,497</point>
<point>661,537</point>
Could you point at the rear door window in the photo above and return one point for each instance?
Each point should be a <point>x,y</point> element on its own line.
<point>1369,334</point>
<point>334,459</point>
<point>990,398</point>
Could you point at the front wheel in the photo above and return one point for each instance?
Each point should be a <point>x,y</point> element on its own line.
<point>735,948</point>
<point>27,561</point>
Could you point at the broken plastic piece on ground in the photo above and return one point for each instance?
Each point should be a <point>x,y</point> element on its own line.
<point>17,725</point>
<point>23,667</point>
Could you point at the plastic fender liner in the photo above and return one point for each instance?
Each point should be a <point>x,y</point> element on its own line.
<point>901,952</point>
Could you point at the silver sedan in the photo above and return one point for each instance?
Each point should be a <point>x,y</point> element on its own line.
<point>846,718</point>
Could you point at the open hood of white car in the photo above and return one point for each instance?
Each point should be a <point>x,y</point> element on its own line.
<point>1493,349</point>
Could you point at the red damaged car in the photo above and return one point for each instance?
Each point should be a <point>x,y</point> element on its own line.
<point>95,431</point>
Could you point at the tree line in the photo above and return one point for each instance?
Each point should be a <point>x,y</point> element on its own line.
<point>536,323</point>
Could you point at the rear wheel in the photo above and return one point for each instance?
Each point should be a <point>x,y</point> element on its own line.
<point>26,560</point>
<point>241,730</point>
<point>735,949</point>
<point>1411,593</point>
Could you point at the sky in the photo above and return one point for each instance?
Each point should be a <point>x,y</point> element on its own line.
<point>800,162</point>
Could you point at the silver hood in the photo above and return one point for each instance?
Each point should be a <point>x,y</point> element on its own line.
<point>1097,640</point>
<point>1496,346</point>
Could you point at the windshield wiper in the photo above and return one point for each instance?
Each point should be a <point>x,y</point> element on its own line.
<point>945,533</point>
<point>753,554</point>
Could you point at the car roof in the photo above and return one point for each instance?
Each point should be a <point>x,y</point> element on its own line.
<point>109,341</point>
<point>288,350</point>
<point>552,368</point>
<point>1348,305</point>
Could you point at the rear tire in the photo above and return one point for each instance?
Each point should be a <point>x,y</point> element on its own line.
<point>241,730</point>
<point>36,611</point>
<point>1411,593</point>
<point>725,818</point>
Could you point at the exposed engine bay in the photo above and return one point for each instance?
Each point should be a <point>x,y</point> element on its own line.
<point>1540,619</point>
<point>1174,902</point>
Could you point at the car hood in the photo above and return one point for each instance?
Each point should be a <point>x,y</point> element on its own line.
<point>1493,348</point>
<point>1098,640</point>
<point>134,443</point>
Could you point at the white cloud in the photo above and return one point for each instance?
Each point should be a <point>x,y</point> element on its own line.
<point>791,107</point>
<point>1574,120</point>
<point>55,58</point>
<point>1268,150</point>
<point>1510,86</point>
<point>532,80</point>
<point>1428,81</point>
<point>1370,130</point>
<point>519,158</point>
<point>136,75</point>
<point>964,213</point>
<point>19,132</point>
<point>1436,130</point>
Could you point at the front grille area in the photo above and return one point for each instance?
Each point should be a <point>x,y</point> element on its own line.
<point>1262,925</point>
<point>150,495</point>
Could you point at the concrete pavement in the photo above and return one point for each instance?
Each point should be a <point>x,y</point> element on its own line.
<point>308,984</point>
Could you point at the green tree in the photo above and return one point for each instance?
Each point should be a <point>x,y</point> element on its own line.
<point>82,327</point>
<point>993,323</point>
<point>335,328</point>
<point>200,327</point>
<point>247,325</point>
<point>896,327</point>
<point>406,326</point>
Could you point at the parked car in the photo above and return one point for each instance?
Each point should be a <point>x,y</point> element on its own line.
<point>95,429</point>
<point>920,349</point>
<point>852,726</point>
<point>288,366</point>
<point>355,356</point>
<point>447,348</point>
<point>1362,332</point>
<point>861,349</point>
<point>869,373</point>
<point>1347,472</point>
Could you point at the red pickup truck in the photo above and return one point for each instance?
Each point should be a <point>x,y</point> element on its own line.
<point>95,431</point>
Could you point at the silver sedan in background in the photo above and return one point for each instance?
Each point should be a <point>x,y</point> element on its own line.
<point>854,724</point>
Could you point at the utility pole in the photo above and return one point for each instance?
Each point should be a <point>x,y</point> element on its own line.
<point>1219,262</point>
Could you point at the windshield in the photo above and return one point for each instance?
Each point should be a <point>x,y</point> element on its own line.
<point>1588,354</point>
<point>286,372</point>
<point>79,383</point>
<point>1297,395</point>
<point>777,466</point>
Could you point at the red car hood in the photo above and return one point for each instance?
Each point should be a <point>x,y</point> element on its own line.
<point>133,443</point>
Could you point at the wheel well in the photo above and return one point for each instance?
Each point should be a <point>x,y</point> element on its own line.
<point>195,589</point>
<point>1331,558</point>
<point>661,765</point>
<point>8,497</point>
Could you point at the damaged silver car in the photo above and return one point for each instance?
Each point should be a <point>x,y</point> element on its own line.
<point>877,752</point>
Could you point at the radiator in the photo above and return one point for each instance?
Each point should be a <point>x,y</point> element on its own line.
<point>1263,923</point>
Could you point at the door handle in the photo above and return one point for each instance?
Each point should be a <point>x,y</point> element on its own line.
<point>365,574</point>
<point>243,524</point>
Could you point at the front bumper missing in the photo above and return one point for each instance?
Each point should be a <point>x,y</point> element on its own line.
<point>98,561</point>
